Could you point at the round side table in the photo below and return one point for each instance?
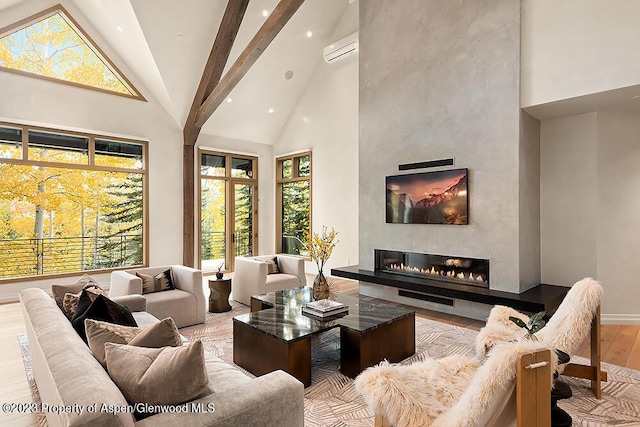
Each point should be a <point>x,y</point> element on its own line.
<point>219,296</point>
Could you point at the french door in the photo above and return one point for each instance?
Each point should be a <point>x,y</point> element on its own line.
<point>228,209</point>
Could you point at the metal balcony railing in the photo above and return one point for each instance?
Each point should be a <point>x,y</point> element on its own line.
<point>30,257</point>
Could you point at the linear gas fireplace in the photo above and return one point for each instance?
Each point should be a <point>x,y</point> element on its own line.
<point>454,269</point>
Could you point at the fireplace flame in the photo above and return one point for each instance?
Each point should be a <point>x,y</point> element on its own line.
<point>434,272</point>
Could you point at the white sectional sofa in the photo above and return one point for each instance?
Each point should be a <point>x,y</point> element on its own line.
<point>67,374</point>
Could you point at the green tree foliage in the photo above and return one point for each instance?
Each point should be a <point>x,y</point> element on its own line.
<point>296,214</point>
<point>125,220</point>
<point>57,219</point>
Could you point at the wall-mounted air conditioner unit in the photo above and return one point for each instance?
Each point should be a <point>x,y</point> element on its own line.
<point>342,48</point>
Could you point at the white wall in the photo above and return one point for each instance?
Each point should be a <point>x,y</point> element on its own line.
<point>619,213</point>
<point>578,47</point>
<point>36,101</point>
<point>590,211</point>
<point>325,120</point>
<point>568,199</point>
<point>266,184</point>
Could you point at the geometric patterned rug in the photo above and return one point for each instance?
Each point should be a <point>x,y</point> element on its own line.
<point>331,400</point>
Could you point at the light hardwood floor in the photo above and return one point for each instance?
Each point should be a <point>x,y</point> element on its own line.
<point>620,346</point>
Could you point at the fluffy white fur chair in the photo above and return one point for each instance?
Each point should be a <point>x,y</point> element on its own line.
<point>453,391</point>
<point>577,317</point>
<point>566,330</point>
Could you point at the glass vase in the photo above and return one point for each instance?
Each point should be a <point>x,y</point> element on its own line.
<point>319,285</point>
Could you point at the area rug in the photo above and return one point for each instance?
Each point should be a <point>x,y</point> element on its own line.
<point>331,400</point>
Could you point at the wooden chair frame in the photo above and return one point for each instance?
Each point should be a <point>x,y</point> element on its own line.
<point>533,391</point>
<point>593,371</point>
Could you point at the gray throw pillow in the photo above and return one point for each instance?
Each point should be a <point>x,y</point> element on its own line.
<point>158,376</point>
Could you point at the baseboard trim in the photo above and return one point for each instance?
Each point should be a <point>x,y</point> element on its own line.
<point>620,319</point>
<point>9,299</point>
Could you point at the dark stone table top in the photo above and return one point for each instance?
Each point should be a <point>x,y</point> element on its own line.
<point>286,322</point>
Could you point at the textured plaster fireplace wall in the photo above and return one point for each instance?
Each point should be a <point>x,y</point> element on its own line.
<point>441,79</point>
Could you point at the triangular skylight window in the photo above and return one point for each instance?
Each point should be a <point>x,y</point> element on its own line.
<point>52,45</point>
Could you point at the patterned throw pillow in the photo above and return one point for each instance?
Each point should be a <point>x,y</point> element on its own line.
<point>101,308</point>
<point>59,291</point>
<point>159,282</point>
<point>70,301</point>
<point>272,266</point>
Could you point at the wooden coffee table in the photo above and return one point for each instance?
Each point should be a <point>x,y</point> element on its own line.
<point>275,335</point>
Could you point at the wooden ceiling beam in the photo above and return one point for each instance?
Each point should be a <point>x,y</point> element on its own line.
<point>216,62</point>
<point>213,69</point>
<point>263,38</point>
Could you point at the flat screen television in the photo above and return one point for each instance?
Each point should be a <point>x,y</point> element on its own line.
<point>439,197</point>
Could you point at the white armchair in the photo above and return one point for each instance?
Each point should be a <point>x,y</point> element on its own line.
<point>251,276</point>
<point>186,304</point>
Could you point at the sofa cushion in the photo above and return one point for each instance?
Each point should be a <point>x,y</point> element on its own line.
<point>158,376</point>
<point>102,308</point>
<point>276,282</point>
<point>161,334</point>
<point>222,376</point>
<point>173,304</point>
<point>157,283</point>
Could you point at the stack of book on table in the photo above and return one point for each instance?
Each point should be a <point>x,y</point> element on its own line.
<point>324,308</point>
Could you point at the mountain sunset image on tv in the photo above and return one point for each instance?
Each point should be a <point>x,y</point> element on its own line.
<point>428,198</point>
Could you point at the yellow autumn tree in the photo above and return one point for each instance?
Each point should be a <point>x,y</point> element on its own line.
<point>52,48</point>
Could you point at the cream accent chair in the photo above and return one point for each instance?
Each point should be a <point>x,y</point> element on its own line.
<point>576,317</point>
<point>512,387</point>
<point>250,276</point>
<point>186,304</point>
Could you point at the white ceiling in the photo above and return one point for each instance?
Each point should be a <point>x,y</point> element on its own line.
<point>166,43</point>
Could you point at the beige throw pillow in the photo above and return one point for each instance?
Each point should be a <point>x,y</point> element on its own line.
<point>162,334</point>
<point>99,333</point>
<point>158,376</point>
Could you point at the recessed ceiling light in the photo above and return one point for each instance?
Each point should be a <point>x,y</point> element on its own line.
<point>180,36</point>
<point>309,34</point>
<point>119,28</point>
<point>229,99</point>
<point>288,75</point>
<point>265,13</point>
<point>271,110</point>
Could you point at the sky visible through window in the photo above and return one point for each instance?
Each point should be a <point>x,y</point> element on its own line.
<point>52,48</point>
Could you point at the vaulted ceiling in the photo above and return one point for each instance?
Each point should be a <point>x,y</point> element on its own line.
<point>166,44</point>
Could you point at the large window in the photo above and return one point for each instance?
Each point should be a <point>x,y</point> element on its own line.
<point>52,45</point>
<point>69,202</point>
<point>228,209</point>
<point>293,203</point>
